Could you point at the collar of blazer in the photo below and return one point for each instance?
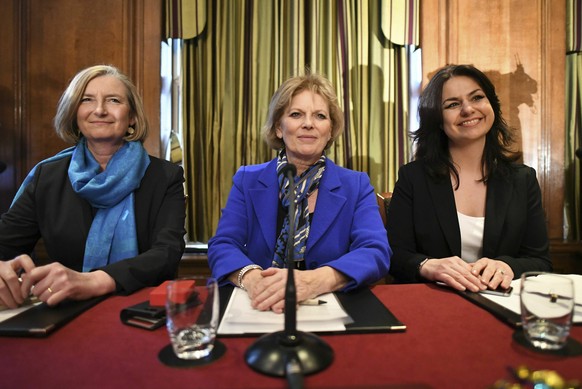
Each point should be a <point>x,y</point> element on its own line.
<point>499,193</point>
<point>330,202</point>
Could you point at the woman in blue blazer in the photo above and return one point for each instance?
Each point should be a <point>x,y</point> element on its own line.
<point>465,212</point>
<point>340,241</point>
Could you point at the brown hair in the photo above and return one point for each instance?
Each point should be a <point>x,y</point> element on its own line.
<point>432,141</point>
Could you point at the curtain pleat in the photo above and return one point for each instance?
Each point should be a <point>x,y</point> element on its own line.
<point>185,19</point>
<point>573,26</point>
<point>248,48</point>
<point>398,21</point>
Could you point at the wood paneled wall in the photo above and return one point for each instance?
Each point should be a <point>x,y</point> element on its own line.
<point>521,45</point>
<point>44,44</point>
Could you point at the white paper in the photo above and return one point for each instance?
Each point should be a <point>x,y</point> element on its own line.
<point>512,302</point>
<point>241,318</point>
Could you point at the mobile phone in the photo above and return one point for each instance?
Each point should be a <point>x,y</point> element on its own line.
<point>499,291</point>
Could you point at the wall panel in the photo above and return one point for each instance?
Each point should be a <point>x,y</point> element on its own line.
<point>10,152</point>
<point>48,42</point>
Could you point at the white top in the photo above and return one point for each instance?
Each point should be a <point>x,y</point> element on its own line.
<point>471,237</point>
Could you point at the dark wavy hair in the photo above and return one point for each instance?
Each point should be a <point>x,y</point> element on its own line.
<point>432,142</point>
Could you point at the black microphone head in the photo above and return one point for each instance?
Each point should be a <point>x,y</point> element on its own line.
<point>289,168</point>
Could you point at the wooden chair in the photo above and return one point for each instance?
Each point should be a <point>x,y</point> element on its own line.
<point>383,199</point>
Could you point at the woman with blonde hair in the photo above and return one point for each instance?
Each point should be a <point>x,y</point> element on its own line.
<point>340,241</point>
<point>111,216</point>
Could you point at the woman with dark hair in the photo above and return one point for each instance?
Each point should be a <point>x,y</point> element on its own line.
<point>340,242</point>
<point>111,216</point>
<point>465,212</point>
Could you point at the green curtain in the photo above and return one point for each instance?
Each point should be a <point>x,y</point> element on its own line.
<point>573,184</point>
<point>246,49</point>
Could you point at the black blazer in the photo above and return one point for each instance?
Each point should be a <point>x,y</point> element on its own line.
<point>49,208</point>
<point>422,222</point>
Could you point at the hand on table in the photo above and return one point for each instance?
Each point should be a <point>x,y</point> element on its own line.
<point>493,273</point>
<point>11,293</point>
<point>54,283</point>
<point>454,272</point>
<point>267,288</point>
<point>483,274</point>
<point>268,292</point>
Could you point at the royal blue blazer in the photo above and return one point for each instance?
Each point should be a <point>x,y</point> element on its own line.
<point>346,231</point>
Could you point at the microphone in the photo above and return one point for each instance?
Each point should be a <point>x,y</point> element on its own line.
<point>294,372</point>
<point>289,171</point>
<point>289,353</point>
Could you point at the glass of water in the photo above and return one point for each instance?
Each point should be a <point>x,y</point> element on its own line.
<point>547,309</point>
<point>192,310</point>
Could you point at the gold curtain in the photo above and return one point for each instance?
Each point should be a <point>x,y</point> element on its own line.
<point>248,48</point>
<point>573,185</point>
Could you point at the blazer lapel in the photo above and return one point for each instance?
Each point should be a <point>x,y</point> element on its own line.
<point>496,208</point>
<point>444,204</point>
<point>329,204</point>
<point>265,200</point>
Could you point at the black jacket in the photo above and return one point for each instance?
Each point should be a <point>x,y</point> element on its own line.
<point>422,222</point>
<point>49,208</point>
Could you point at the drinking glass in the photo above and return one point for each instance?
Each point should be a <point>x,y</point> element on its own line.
<point>547,309</point>
<point>192,309</point>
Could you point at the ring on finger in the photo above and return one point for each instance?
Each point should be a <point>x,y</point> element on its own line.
<point>502,272</point>
<point>49,289</point>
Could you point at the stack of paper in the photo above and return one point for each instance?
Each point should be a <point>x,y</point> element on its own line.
<point>241,318</point>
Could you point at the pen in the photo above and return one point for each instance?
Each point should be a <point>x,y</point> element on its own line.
<point>554,297</point>
<point>313,302</point>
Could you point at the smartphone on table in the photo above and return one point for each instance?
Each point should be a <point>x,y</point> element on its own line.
<point>499,291</point>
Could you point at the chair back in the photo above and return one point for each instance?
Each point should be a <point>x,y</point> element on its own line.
<point>383,199</point>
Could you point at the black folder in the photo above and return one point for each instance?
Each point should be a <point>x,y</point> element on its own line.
<point>499,311</point>
<point>42,320</point>
<point>368,313</point>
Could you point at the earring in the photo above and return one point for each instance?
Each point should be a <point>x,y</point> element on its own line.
<point>130,130</point>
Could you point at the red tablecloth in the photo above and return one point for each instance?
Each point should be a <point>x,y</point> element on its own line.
<point>449,343</point>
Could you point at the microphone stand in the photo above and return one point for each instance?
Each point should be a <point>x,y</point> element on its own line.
<point>289,352</point>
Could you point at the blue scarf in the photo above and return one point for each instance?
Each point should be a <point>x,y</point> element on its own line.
<point>113,234</point>
<point>305,184</point>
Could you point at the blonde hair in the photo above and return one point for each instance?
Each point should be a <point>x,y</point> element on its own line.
<point>280,101</point>
<point>65,121</point>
